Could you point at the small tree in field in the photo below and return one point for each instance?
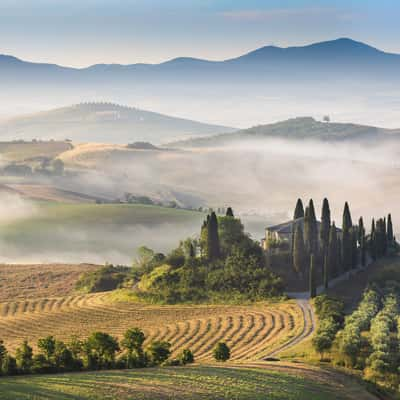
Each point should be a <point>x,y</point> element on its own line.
<point>186,357</point>
<point>159,352</point>
<point>222,352</point>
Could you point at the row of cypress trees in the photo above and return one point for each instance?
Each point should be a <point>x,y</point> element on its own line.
<point>335,253</point>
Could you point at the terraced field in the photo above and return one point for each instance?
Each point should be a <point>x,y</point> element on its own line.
<point>252,332</point>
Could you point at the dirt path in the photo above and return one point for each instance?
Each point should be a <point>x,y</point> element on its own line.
<point>308,327</point>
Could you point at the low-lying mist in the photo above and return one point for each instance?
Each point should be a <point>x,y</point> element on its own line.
<point>260,179</point>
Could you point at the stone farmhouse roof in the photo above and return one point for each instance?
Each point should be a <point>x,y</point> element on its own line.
<point>285,228</point>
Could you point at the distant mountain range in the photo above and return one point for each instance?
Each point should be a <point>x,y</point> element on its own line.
<point>304,128</point>
<point>349,54</point>
<point>104,123</point>
<point>341,77</point>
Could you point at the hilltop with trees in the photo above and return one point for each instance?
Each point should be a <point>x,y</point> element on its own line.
<point>224,263</point>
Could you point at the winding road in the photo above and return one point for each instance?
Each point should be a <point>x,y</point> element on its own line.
<point>308,326</point>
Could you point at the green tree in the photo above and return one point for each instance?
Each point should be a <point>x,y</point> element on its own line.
<point>101,348</point>
<point>354,248</point>
<point>347,239</point>
<point>3,355</point>
<point>186,357</point>
<point>325,226</point>
<point>159,352</point>
<point>47,346</point>
<point>24,357</point>
<point>133,343</point>
<point>299,251</point>
<point>213,246</point>
<point>299,210</point>
<point>389,229</point>
<point>372,241</point>
<point>333,254</point>
<point>326,271</point>
<point>312,277</point>
<point>311,229</point>
<point>229,212</point>
<point>222,352</point>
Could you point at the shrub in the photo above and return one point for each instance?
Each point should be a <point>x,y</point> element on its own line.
<point>158,352</point>
<point>186,357</point>
<point>222,352</point>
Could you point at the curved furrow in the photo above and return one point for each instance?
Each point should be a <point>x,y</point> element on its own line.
<point>207,350</point>
<point>185,330</point>
<point>215,327</point>
<point>252,338</point>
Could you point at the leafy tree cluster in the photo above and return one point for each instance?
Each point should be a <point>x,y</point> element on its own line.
<point>107,278</point>
<point>330,312</point>
<point>350,339</point>
<point>384,354</point>
<point>99,351</point>
<point>224,263</point>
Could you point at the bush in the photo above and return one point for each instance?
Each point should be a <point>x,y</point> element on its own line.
<point>158,352</point>
<point>222,352</point>
<point>105,279</point>
<point>186,357</point>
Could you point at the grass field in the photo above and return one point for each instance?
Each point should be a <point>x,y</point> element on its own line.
<point>196,382</point>
<point>75,233</point>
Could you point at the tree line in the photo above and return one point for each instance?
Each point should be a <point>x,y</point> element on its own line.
<point>98,352</point>
<point>321,245</point>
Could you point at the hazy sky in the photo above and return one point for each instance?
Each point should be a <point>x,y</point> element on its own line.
<point>84,32</point>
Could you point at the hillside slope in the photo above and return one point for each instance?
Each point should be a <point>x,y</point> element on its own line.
<point>303,128</point>
<point>104,122</point>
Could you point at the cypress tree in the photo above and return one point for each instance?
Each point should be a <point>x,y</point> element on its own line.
<point>299,251</point>
<point>372,241</point>
<point>389,229</point>
<point>333,253</point>
<point>229,212</point>
<point>213,248</point>
<point>354,248</point>
<point>313,283</point>
<point>326,272</point>
<point>361,230</point>
<point>347,239</point>
<point>299,210</point>
<point>325,226</point>
<point>363,251</point>
<point>311,229</point>
<point>384,237</point>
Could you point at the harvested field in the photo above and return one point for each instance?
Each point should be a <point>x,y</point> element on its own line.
<point>250,331</point>
<point>39,281</point>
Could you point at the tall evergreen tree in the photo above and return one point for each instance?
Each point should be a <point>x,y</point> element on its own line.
<point>347,239</point>
<point>311,229</point>
<point>354,247</point>
<point>213,248</point>
<point>312,277</point>
<point>326,272</point>
<point>299,210</point>
<point>361,229</point>
<point>229,212</point>
<point>384,237</point>
<point>299,251</point>
<point>389,229</point>
<point>361,241</point>
<point>333,253</point>
<point>325,226</point>
<point>372,241</point>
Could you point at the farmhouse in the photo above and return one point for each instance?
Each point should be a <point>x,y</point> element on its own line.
<point>280,237</point>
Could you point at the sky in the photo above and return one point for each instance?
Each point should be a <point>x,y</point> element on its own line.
<point>84,32</point>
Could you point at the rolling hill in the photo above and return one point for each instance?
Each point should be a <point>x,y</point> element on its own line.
<point>105,123</point>
<point>303,128</point>
<point>342,77</point>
